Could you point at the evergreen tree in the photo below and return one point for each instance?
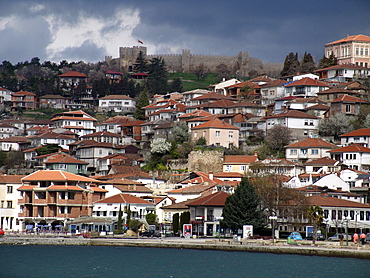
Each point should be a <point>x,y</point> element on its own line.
<point>175,85</point>
<point>243,208</point>
<point>175,222</point>
<point>184,218</point>
<point>291,65</point>
<point>307,63</point>
<point>141,64</point>
<point>141,102</point>
<point>157,77</point>
<point>328,62</point>
<point>119,221</point>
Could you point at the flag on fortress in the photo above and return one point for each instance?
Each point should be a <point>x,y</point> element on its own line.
<point>140,42</point>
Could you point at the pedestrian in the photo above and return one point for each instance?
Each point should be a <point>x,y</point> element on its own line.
<point>362,238</point>
<point>341,237</point>
<point>355,238</point>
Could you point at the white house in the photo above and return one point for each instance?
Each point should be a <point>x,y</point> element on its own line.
<point>332,181</point>
<point>271,91</point>
<point>5,95</point>
<point>16,143</point>
<point>354,156</point>
<point>117,103</point>
<point>78,122</point>
<point>220,87</point>
<point>110,206</point>
<point>9,207</point>
<point>308,149</point>
<point>301,124</point>
<point>305,87</point>
<point>359,136</point>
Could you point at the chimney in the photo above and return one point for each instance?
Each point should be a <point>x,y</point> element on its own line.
<point>256,154</point>
<point>210,175</point>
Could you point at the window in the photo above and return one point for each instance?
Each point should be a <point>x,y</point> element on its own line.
<point>228,168</point>
<point>9,204</point>
<point>71,195</point>
<point>243,168</point>
<point>218,133</point>
<point>348,108</point>
<point>231,134</point>
<point>9,189</point>
<point>293,152</point>
<point>314,152</point>
<point>195,134</point>
<point>334,214</point>
<point>305,122</point>
<point>62,166</point>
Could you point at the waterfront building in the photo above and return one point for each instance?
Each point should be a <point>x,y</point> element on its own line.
<point>51,197</point>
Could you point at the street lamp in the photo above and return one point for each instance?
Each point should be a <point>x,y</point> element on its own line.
<point>272,218</point>
<point>347,218</point>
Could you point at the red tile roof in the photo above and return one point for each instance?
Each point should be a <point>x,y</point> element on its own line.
<point>217,199</point>
<point>117,97</point>
<point>356,38</point>
<point>312,142</point>
<point>325,201</point>
<point>358,132</point>
<point>216,123</point>
<point>307,82</point>
<point>346,98</point>
<point>292,114</point>
<point>354,148</point>
<point>73,74</point>
<point>194,189</point>
<point>322,161</point>
<point>8,179</point>
<point>23,93</point>
<point>56,175</point>
<point>336,90</point>
<point>240,159</point>
<point>228,175</point>
<point>123,199</point>
<point>63,158</point>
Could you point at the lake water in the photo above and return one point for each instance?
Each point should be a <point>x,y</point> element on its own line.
<point>101,261</point>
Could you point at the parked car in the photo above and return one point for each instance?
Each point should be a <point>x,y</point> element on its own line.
<point>337,238</point>
<point>150,233</point>
<point>368,237</point>
<point>2,232</point>
<point>319,236</point>
<point>295,236</point>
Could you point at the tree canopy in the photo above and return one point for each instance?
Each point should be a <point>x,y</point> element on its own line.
<point>243,208</point>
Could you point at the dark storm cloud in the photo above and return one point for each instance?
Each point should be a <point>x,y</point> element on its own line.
<point>267,29</point>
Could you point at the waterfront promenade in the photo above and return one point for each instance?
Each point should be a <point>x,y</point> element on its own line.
<point>329,249</point>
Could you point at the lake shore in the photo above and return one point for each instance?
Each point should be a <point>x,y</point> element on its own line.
<point>328,249</point>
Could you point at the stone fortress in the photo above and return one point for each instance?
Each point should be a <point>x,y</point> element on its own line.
<point>240,64</point>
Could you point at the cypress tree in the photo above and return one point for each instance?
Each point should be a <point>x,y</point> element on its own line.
<point>142,101</point>
<point>175,222</point>
<point>243,208</point>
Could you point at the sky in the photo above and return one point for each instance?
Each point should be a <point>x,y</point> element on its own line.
<point>89,30</point>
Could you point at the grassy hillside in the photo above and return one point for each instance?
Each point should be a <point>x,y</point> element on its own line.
<point>190,81</point>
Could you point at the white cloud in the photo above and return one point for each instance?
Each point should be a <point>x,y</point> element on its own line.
<point>108,33</point>
<point>5,21</point>
<point>37,8</point>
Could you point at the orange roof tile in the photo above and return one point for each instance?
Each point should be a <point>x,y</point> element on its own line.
<point>356,38</point>
<point>194,189</point>
<point>358,132</point>
<point>322,161</point>
<point>72,74</point>
<point>216,123</point>
<point>293,114</point>
<point>307,82</point>
<point>325,201</point>
<point>354,148</point>
<point>312,142</point>
<point>240,159</point>
<point>56,175</point>
<point>64,158</point>
<point>7,179</point>
<point>123,199</point>
<point>217,199</point>
<point>346,98</point>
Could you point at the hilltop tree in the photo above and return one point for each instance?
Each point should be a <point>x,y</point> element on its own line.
<point>200,72</point>
<point>326,62</point>
<point>243,208</point>
<point>307,63</point>
<point>141,64</point>
<point>278,137</point>
<point>141,102</point>
<point>175,85</point>
<point>336,125</point>
<point>157,77</point>
<point>291,65</point>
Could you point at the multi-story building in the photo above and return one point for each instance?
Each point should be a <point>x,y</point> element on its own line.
<point>25,100</point>
<point>51,197</point>
<point>117,103</point>
<point>78,122</point>
<point>350,50</point>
